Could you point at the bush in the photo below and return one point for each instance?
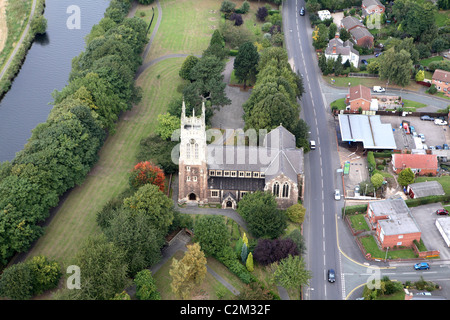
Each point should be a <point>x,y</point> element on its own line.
<point>432,89</point>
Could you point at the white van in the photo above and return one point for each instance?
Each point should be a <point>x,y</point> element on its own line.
<point>312,144</point>
<point>378,89</point>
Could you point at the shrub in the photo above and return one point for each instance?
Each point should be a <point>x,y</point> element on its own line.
<point>145,286</point>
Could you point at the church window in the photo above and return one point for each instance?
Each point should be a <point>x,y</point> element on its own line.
<point>212,173</point>
<point>276,189</point>
<point>188,178</point>
<point>285,190</point>
<point>214,194</point>
<point>195,178</point>
<point>218,173</point>
<point>241,174</point>
<point>196,151</point>
<point>255,174</point>
<point>188,151</point>
<point>248,174</point>
<point>226,173</point>
<point>188,168</point>
<point>233,173</point>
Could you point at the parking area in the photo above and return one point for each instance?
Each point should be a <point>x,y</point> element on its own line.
<point>425,217</point>
<point>434,134</point>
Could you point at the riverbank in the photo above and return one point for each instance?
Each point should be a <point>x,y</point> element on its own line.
<point>18,42</point>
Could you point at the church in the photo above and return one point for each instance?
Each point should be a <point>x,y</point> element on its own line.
<point>222,174</point>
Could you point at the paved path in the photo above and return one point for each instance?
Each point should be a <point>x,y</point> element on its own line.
<point>19,44</point>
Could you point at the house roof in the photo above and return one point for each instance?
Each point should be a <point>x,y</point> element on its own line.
<point>415,161</point>
<point>399,219</point>
<point>441,75</point>
<point>369,3</point>
<point>367,129</point>
<point>350,22</point>
<point>360,32</point>
<point>360,92</point>
<point>427,188</point>
<point>342,48</point>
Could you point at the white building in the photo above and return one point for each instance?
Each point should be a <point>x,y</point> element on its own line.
<point>324,14</point>
<point>338,47</point>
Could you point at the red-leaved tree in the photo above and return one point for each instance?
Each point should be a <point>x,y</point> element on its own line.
<point>146,172</point>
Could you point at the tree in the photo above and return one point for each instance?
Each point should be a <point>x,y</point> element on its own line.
<point>396,66</point>
<point>145,172</point>
<point>45,273</point>
<point>415,17</point>
<point>187,66</point>
<point>420,75</point>
<point>167,124</point>
<point>188,272</point>
<point>244,253</point>
<point>262,13</point>
<point>16,282</point>
<point>145,286</point>
<point>260,211</point>
<point>377,180</point>
<point>159,152</point>
<point>249,262</point>
<point>246,62</point>
<point>212,234</point>
<point>269,251</point>
<point>338,67</point>
<point>227,6</point>
<point>149,200</point>
<point>291,272</point>
<point>406,177</point>
<point>332,29</point>
<point>320,36</point>
<point>39,25</point>
<point>344,35</point>
<point>296,213</point>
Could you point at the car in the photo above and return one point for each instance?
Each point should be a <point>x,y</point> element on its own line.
<point>428,118</point>
<point>432,147</point>
<point>302,11</point>
<point>337,194</point>
<point>422,137</point>
<point>357,189</point>
<point>445,146</point>
<point>364,61</point>
<point>423,294</point>
<point>378,54</point>
<point>440,122</point>
<point>331,276</point>
<point>378,89</point>
<point>442,212</point>
<point>312,144</point>
<point>439,147</point>
<point>422,266</point>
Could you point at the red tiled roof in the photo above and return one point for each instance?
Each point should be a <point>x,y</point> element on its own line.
<point>415,161</point>
<point>441,75</point>
<point>360,92</point>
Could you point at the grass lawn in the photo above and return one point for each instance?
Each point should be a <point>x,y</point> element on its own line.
<point>358,222</point>
<point>339,104</point>
<point>410,105</point>
<point>17,13</point>
<point>371,247</point>
<point>426,62</point>
<point>442,18</point>
<point>75,219</point>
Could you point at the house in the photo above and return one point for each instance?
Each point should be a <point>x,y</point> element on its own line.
<point>338,47</point>
<point>393,222</point>
<point>441,80</point>
<point>425,189</point>
<point>223,174</point>
<point>420,164</point>
<point>359,97</point>
<point>372,6</point>
<point>324,14</point>
<point>358,31</point>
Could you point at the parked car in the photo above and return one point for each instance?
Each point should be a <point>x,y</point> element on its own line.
<point>312,144</point>
<point>378,54</point>
<point>337,194</point>
<point>439,147</point>
<point>442,212</point>
<point>302,11</point>
<point>422,137</point>
<point>364,61</point>
<point>440,122</point>
<point>432,147</point>
<point>423,294</point>
<point>378,89</point>
<point>445,146</point>
<point>331,275</point>
<point>427,118</point>
<point>422,266</point>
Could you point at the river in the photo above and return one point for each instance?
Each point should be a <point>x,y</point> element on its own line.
<point>46,68</point>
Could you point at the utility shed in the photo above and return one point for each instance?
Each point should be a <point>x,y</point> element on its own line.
<point>425,189</point>
<point>367,129</point>
<point>443,225</point>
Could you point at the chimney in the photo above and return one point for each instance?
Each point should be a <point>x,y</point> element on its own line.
<point>334,49</point>
<point>336,36</point>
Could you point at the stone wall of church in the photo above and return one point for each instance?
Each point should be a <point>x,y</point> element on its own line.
<point>292,197</point>
<point>192,181</point>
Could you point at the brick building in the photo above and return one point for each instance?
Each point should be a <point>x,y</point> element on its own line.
<point>372,7</point>
<point>359,97</point>
<point>360,35</point>
<point>441,80</point>
<point>420,164</point>
<point>223,174</point>
<point>393,222</point>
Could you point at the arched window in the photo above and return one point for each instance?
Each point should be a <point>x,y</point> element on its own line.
<point>276,189</point>
<point>285,190</point>
<point>188,151</point>
<point>196,151</point>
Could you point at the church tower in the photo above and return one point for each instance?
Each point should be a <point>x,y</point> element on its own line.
<point>192,176</point>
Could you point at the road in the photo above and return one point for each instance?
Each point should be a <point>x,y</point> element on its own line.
<point>320,164</point>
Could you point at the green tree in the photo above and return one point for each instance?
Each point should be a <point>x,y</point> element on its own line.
<point>406,177</point>
<point>291,272</point>
<point>45,273</point>
<point>420,75</point>
<point>296,213</point>
<point>187,66</point>
<point>396,66</point>
<point>249,262</point>
<point>338,67</point>
<point>39,25</point>
<point>145,286</point>
<point>16,282</point>
<point>246,62</point>
<point>244,253</point>
<point>377,180</point>
<point>212,234</point>
<point>260,211</point>
<point>320,36</point>
<point>167,124</point>
<point>150,201</point>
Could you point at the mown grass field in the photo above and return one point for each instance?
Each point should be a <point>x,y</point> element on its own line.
<point>17,13</point>
<point>75,219</point>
